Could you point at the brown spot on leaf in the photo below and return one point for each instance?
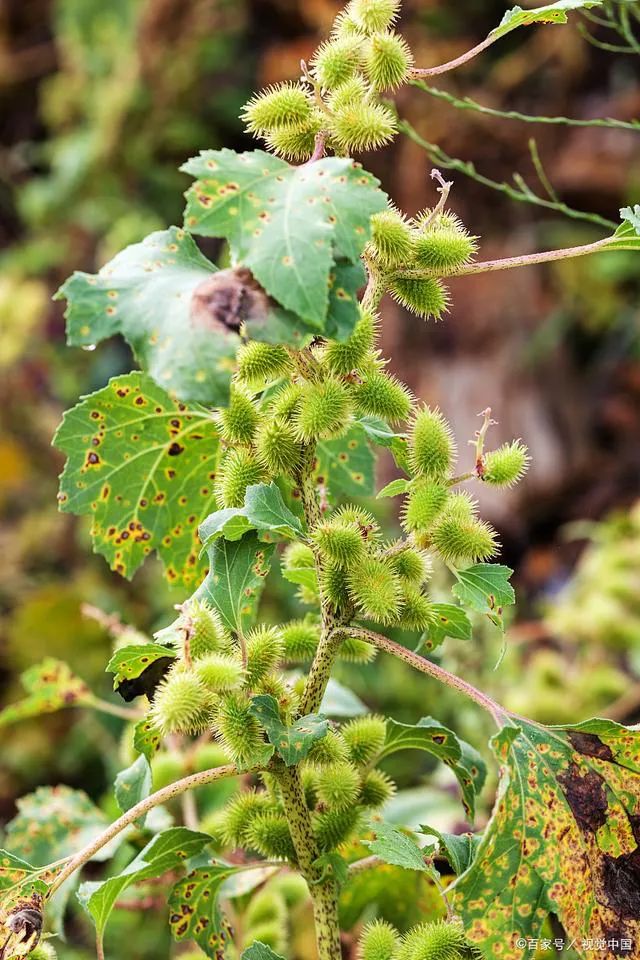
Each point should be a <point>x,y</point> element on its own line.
<point>589,745</point>
<point>228,299</point>
<point>585,796</point>
<point>175,450</point>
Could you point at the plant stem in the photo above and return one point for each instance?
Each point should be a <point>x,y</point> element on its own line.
<point>114,709</point>
<point>498,713</point>
<point>137,811</point>
<point>458,62</point>
<point>324,895</point>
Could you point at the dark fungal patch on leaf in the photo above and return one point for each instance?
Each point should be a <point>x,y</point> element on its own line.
<point>147,682</point>
<point>621,884</point>
<point>590,745</point>
<point>585,794</point>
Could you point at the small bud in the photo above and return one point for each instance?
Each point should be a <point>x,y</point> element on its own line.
<point>507,465</point>
<point>365,737</point>
<point>338,785</point>
<point>238,470</point>
<point>336,60</point>
<point>334,827</point>
<point>426,298</point>
<point>413,565</point>
<point>377,788</point>
<point>219,672</point>
<point>460,537</point>
<point>277,106</point>
<point>375,589</point>
<point>238,421</point>
<point>324,411</point>
<point>269,834</point>
<point>362,126</point>
<point>300,638</point>
<point>277,447</point>
<point>372,15</point>
<point>431,445</point>
<point>265,649</point>
<point>381,395</point>
<point>444,248</point>
<point>342,358</point>
<point>378,941</point>
<point>438,940</point>
<point>387,61</point>
<point>237,729</point>
<point>181,704</point>
<point>340,542</point>
<point>260,363</point>
<point>240,812</point>
<point>391,239</point>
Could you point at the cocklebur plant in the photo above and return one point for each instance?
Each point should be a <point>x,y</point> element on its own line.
<point>248,440</point>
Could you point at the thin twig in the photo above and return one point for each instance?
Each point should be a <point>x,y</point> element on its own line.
<point>457,62</point>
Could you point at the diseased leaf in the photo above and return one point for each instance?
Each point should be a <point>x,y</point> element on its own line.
<point>286,224</point>
<point>627,236</point>
<point>133,784</point>
<point>394,846</point>
<point>236,578</point>
<point>146,738</point>
<point>485,587</point>
<point>291,742</point>
<point>142,465</point>
<point>459,849</point>
<point>194,910</point>
<point>146,294</point>
<point>20,881</point>
<point>50,686</point>
<point>346,466</point>
<point>138,668</point>
<point>449,621</point>
<point>564,837</point>
<point>259,951</point>
<point>431,736</point>
<point>166,851</point>
<point>552,13</point>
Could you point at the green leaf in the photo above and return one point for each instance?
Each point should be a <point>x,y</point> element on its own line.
<point>166,851</point>
<point>450,621</point>
<point>431,736</point>
<point>236,578</point>
<point>259,951</point>
<point>230,523</point>
<point>19,881</point>
<point>266,511</point>
<point>627,236</point>
<point>552,13</point>
<point>127,663</point>
<point>331,866</point>
<point>291,742</point>
<point>50,686</point>
<point>340,701</point>
<point>485,587</point>
<point>145,293</point>
<point>394,489</point>
<point>459,849</point>
<point>395,847</point>
<point>346,465</point>
<point>286,224</point>
<point>142,466</point>
<point>146,738</point>
<point>194,910</point>
<point>563,838</point>
<point>133,784</point>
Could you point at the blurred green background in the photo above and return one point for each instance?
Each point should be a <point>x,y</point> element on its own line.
<point>99,105</point>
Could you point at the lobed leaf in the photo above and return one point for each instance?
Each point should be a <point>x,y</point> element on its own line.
<point>394,846</point>
<point>293,742</point>
<point>50,686</point>
<point>259,951</point>
<point>235,580</point>
<point>264,510</point>
<point>449,621</point>
<point>485,587</point>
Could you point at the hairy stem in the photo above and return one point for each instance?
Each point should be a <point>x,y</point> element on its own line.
<point>498,713</point>
<point>154,800</point>
<point>324,895</point>
<point>458,62</point>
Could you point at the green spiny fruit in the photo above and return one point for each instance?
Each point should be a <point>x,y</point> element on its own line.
<point>355,650</point>
<point>336,60</point>
<point>282,691</point>
<point>391,239</point>
<point>375,589</point>
<point>413,565</point>
<point>269,834</point>
<point>381,395</point>
<point>506,465</point>
<point>286,400</point>
<point>362,126</point>
<point>365,737</point>
<point>425,297</point>
<point>350,513</point>
<point>329,749</point>
<point>460,537</point>
<point>425,503</point>
<point>333,585</point>
<point>378,941</point>
<point>206,756</point>
<point>350,93</point>
<point>324,411</point>
<point>238,470</point>
<point>261,363</point>
<point>432,448</point>
<point>377,788</point>
<point>300,638</point>
<point>240,812</point>
<point>298,561</point>
<point>444,248</point>
<point>387,61</point>
<point>271,933</point>
<point>206,633</point>
<point>417,610</point>
<point>277,106</point>
<point>293,888</point>
<point>295,142</point>
<point>238,421</point>
<point>438,940</point>
<point>166,767</point>
<point>237,729</point>
<point>342,358</point>
<point>219,672</point>
<point>337,785</point>
<point>277,447</point>
<point>334,827</point>
<point>265,649</point>
<point>345,25</point>
<point>341,543</point>
<point>267,904</point>
<point>42,951</point>
<point>372,15</point>
<point>181,704</point>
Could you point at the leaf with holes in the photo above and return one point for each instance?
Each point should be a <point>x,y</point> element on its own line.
<point>146,293</point>
<point>291,742</point>
<point>142,465</point>
<point>168,850</point>
<point>235,581</point>
<point>20,881</point>
<point>485,587</point>
<point>137,669</point>
<point>194,909</point>
<point>552,13</point>
<point>50,686</point>
<point>449,621</point>
<point>346,466</point>
<point>286,224</point>
<point>431,736</point>
<point>459,849</point>
<point>564,838</point>
<point>394,846</point>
